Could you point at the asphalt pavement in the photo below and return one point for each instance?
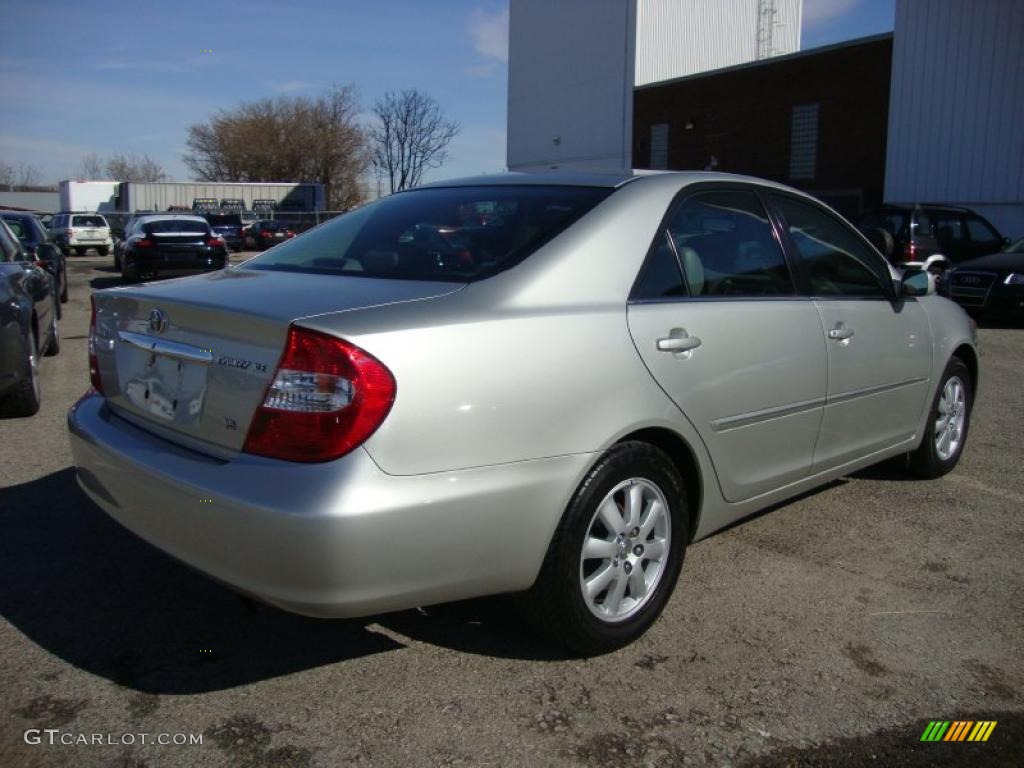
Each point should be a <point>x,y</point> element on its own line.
<point>827,631</point>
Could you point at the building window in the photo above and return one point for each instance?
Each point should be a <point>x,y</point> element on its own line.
<point>659,147</point>
<point>803,145</point>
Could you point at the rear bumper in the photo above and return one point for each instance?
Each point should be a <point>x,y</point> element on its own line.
<point>160,262</point>
<point>335,539</point>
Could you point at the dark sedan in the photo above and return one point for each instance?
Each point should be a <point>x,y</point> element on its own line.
<point>267,232</point>
<point>31,233</point>
<point>171,245</point>
<point>229,226</point>
<point>993,283</point>
<point>28,322</point>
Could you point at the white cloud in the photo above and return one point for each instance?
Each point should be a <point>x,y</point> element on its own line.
<point>489,32</point>
<point>824,11</point>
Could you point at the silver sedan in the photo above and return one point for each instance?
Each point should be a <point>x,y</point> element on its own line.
<point>543,384</point>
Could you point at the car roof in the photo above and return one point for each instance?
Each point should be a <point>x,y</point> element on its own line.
<point>611,179</point>
<point>163,216</point>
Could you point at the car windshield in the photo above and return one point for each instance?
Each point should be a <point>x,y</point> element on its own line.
<point>88,221</point>
<point>450,233</point>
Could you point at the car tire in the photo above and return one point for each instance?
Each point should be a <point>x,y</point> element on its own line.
<point>53,348</point>
<point>103,251</point>
<point>64,284</point>
<point>949,420</point>
<point>589,596</point>
<point>24,400</point>
<point>129,274</point>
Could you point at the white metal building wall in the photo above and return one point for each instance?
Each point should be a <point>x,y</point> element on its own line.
<point>676,38</point>
<point>570,84</point>
<point>956,109</point>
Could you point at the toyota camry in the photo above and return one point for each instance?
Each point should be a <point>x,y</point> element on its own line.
<point>542,384</point>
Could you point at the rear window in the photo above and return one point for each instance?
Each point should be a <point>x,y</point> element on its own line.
<point>176,226</point>
<point>224,220</point>
<point>271,226</point>
<point>88,221</point>
<point>459,233</point>
<point>893,222</point>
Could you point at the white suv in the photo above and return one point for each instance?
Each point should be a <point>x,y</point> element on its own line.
<point>78,232</point>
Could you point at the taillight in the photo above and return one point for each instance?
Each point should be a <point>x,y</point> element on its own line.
<point>909,252</point>
<point>143,243</point>
<point>327,398</point>
<point>94,365</point>
<point>213,242</point>
<point>289,233</point>
<point>69,232</point>
<point>265,234</point>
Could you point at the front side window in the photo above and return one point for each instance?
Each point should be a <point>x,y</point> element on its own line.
<point>837,262</point>
<point>949,229</point>
<point>456,234</point>
<point>726,246</point>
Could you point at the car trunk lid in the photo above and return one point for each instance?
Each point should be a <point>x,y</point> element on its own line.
<point>192,358</point>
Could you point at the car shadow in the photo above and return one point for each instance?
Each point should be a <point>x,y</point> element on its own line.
<point>93,594</point>
<point>99,283</point>
<point>88,591</point>
<point>1000,322</point>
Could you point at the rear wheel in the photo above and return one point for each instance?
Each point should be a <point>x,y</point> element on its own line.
<point>64,283</point>
<point>129,273</point>
<point>615,557</point>
<point>53,348</point>
<point>81,251</point>
<point>24,400</point>
<point>948,421</point>
<point>103,251</point>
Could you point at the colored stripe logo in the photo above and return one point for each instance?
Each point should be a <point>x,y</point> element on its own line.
<point>958,730</point>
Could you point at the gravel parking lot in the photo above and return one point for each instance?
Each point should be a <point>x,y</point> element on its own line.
<point>827,631</point>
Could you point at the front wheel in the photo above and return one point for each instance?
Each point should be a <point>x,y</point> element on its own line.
<point>615,557</point>
<point>948,421</point>
<point>64,284</point>
<point>24,400</point>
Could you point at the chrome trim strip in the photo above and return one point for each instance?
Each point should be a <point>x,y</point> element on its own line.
<point>171,349</point>
<point>746,419</point>
<point>847,396</point>
<point>755,417</point>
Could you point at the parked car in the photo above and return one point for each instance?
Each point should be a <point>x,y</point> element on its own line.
<point>31,234</point>
<point>352,422</point>
<point>170,244</point>
<point>922,230</point>
<point>267,232</point>
<point>78,232</point>
<point>229,227</point>
<point>990,284</point>
<point>28,321</point>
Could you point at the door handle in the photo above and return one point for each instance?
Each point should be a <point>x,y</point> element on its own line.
<point>841,333</point>
<point>681,343</point>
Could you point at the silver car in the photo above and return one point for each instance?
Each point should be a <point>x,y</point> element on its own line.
<point>543,384</point>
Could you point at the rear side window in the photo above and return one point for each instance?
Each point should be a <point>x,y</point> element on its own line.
<point>19,230</point>
<point>457,233</point>
<point>726,246</point>
<point>893,222</point>
<point>88,221</point>
<point>838,263</point>
<point>981,232</point>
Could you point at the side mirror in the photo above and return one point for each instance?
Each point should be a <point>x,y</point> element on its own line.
<point>936,263</point>
<point>48,256</point>
<point>917,282</point>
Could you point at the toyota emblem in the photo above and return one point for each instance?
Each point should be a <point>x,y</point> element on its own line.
<point>157,321</point>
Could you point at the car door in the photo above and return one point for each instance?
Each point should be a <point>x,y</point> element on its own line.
<point>879,346</point>
<point>717,321</point>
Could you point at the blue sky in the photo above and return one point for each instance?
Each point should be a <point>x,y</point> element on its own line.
<point>131,77</point>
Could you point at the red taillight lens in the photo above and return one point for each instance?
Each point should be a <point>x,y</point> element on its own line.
<point>327,397</point>
<point>213,242</point>
<point>265,234</point>
<point>289,233</point>
<point>69,232</point>
<point>909,252</point>
<point>144,243</point>
<point>94,365</point>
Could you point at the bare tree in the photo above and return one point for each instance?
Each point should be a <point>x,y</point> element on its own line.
<point>17,176</point>
<point>410,136</point>
<point>125,167</point>
<point>91,167</point>
<point>295,138</point>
